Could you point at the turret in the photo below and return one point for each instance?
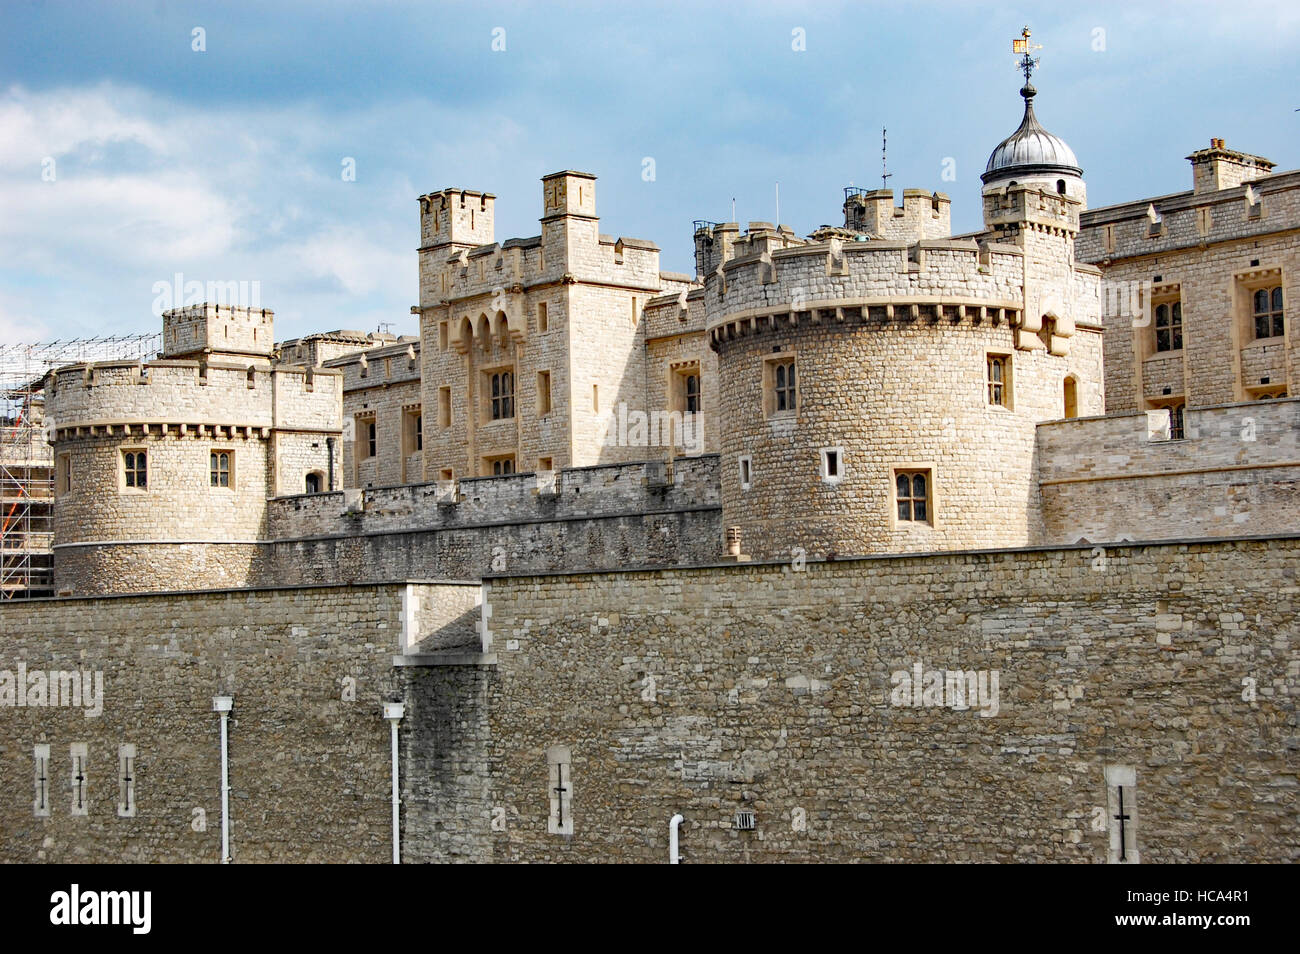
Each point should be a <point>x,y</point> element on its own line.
<point>218,331</point>
<point>456,219</point>
<point>923,215</point>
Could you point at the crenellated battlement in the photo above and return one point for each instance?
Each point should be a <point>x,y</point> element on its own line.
<point>456,217</point>
<point>1028,207</point>
<point>460,261</point>
<point>717,243</point>
<point>923,215</point>
<point>893,276</point>
<point>83,399</point>
<point>220,330</point>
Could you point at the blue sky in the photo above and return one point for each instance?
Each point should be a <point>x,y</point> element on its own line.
<point>225,165</point>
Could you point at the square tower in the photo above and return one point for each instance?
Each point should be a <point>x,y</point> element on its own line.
<point>568,193</point>
<point>218,330</point>
<point>569,221</point>
<point>456,219</point>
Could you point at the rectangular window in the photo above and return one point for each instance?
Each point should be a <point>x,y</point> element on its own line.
<point>912,495</point>
<point>686,390</point>
<point>1169,326</point>
<point>63,474</point>
<point>79,781</point>
<point>1269,322</point>
<point>633,309</point>
<point>543,393</point>
<point>1166,422</point>
<point>1177,431</point>
<point>446,474</point>
<point>546,463</point>
<point>999,379</point>
<point>832,465</point>
<point>501,395</point>
<point>135,469</point>
<point>1121,812</point>
<point>221,468</point>
<point>444,407</point>
<point>367,438</point>
<point>543,320</point>
<point>41,804</point>
<point>746,472</point>
<point>412,431</point>
<point>560,791</point>
<point>595,398</point>
<point>126,781</point>
<point>779,387</point>
<point>442,336</point>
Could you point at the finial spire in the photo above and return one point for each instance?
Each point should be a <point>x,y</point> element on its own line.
<point>1028,62</point>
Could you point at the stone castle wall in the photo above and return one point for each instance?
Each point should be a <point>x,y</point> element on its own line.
<point>576,493</point>
<point>704,691</point>
<point>309,750</point>
<point>756,688</point>
<point>599,517</point>
<point>1237,473</point>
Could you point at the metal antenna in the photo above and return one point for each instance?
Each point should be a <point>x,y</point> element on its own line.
<point>884,159</point>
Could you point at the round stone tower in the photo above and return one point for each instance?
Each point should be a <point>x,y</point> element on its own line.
<point>882,395</point>
<point>163,468</point>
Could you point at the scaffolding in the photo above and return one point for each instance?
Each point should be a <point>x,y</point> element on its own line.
<point>27,454</point>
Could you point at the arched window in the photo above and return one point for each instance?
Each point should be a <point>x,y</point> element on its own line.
<point>1071,397</point>
<point>1268,312</point>
<point>785,386</point>
<point>314,482</point>
<point>135,465</point>
<point>913,492</point>
<point>1060,186</point>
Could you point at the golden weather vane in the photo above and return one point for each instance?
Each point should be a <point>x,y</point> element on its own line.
<point>1024,49</point>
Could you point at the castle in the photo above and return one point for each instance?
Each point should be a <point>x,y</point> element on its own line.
<point>880,544</point>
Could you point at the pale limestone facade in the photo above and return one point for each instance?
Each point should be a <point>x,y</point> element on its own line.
<point>1208,252</point>
<point>598,642</point>
<point>183,453</point>
<point>554,323</point>
<point>892,344</point>
<point>383,421</point>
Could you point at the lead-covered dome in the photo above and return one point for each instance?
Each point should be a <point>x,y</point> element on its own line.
<point>1031,150</point>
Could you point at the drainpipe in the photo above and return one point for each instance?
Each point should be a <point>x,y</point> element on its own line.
<point>223,705</point>
<point>673,825</point>
<point>393,712</point>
